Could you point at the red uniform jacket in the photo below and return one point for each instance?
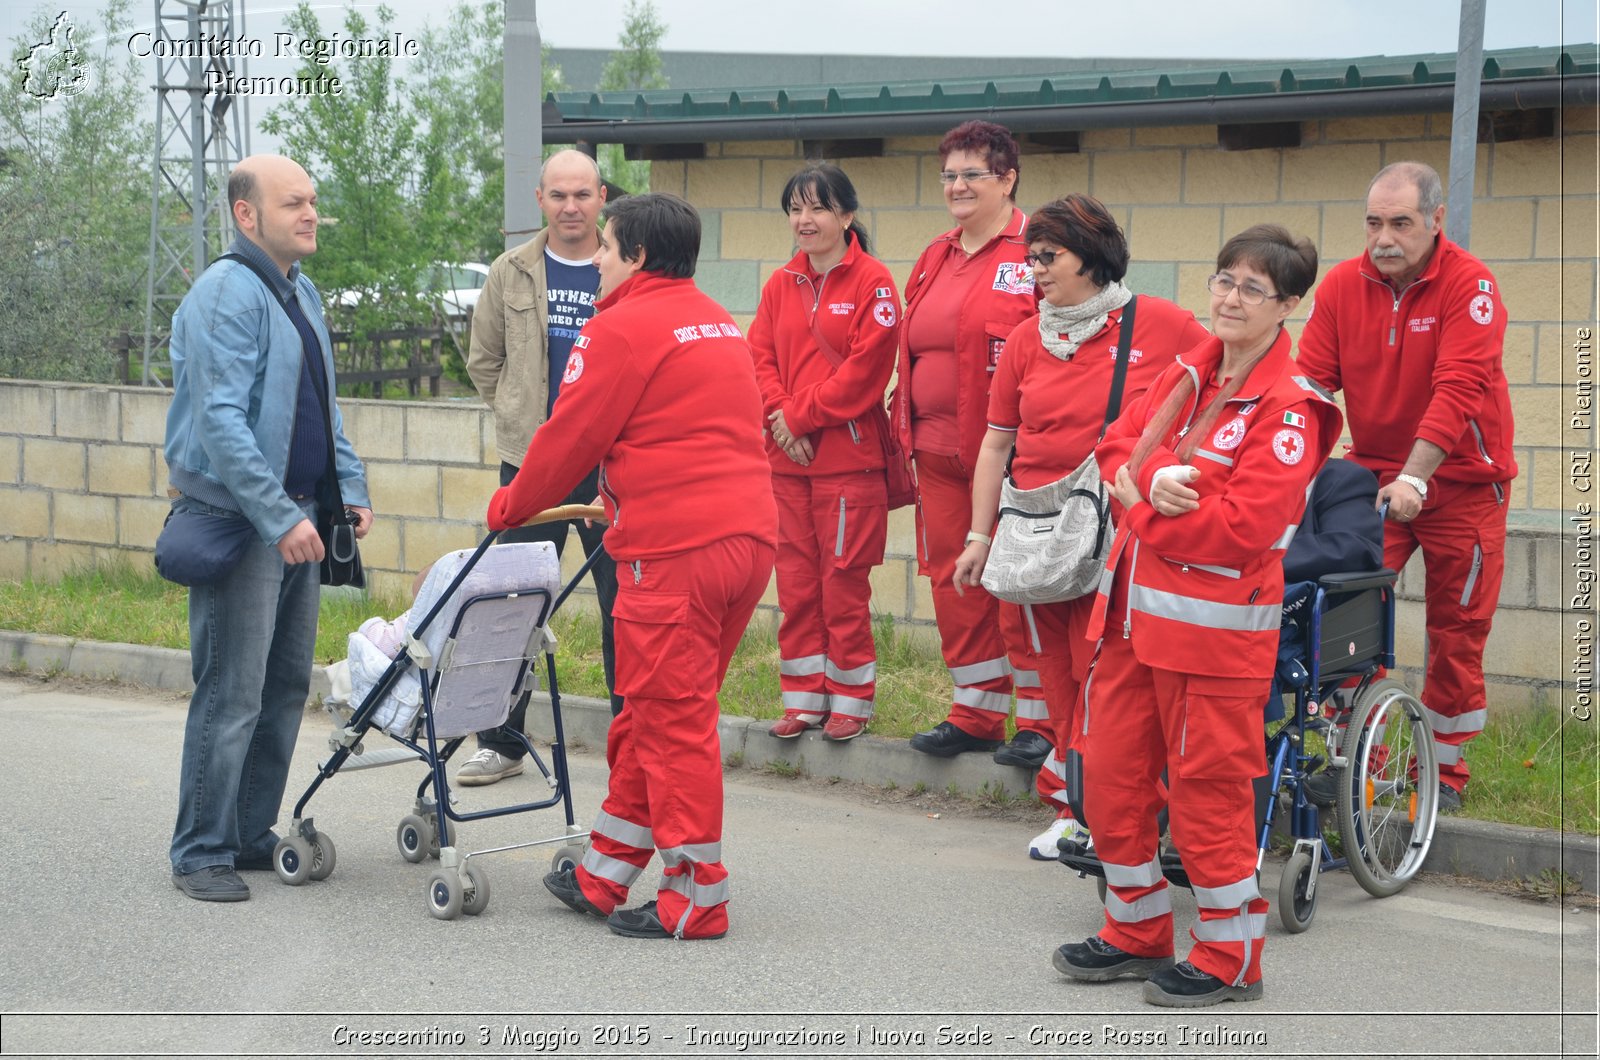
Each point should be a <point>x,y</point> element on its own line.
<point>1058,407</point>
<point>857,310</point>
<point>1423,364</point>
<point>991,311</point>
<point>1202,592</point>
<point>659,392</point>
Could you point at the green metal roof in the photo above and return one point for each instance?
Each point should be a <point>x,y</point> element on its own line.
<point>1237,81</point>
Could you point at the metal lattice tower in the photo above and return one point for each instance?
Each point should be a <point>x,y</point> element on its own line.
<point>199,138</point>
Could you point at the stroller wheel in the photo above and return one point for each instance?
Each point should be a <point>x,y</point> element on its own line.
<point>413,837</point>
<point>445,895</point>
<point>293,859</point>
<point>566,858</point>
<point>476,898</point>
<point>323,857</point>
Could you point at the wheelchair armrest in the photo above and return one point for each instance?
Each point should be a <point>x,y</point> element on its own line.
<point>1355,581</point>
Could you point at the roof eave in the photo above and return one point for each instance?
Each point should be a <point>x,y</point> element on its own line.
<point>1508,94</point>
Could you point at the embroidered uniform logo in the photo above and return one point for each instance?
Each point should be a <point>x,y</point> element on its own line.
<point>1013,277</point>
<point>1482,309</point>
<point>1294,419</point>
<point>1133,354</point>
<point>1289,446</point>
<point>883,292</point>
<point>883,313</point>
<point>55,67</point>
<point>1229,435</point>
<point>574,366</point>
<point>841,309</point>
<point>1248,409</point>
<point>1486,287</point>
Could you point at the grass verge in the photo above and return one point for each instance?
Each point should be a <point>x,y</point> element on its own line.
<point>1529,768</point>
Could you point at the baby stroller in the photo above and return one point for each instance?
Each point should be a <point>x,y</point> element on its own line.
<point>1378,750</point>
<point>478,625</point>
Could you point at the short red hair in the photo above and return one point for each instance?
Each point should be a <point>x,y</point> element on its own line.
<point>994,142</point>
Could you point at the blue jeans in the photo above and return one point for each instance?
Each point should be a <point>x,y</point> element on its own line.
<point>252,638</point>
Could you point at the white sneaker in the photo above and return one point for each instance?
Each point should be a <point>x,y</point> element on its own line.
<point>486,767</point>
<point>1046,845</point>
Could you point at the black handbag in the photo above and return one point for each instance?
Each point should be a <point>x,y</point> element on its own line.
<point>336,524</point>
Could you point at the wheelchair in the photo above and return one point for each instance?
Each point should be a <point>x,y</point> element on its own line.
<point>1378,749</point>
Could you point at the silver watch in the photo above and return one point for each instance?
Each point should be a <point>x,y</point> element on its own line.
<point>1415,483</point>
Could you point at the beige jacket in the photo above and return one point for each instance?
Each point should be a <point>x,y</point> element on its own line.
<point>508,360</point>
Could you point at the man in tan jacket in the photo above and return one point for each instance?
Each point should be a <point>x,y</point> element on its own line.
<point>532,307</point>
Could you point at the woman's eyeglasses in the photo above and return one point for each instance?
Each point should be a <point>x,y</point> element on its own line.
<point>1046,258</point>
<point>1222,286</point>
<point>969,176</point>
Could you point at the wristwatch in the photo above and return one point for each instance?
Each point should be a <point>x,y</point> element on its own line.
<point>1415,483</point>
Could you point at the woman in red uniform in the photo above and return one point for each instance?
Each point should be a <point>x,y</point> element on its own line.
<point>659,392</point>
<point>1049,402</point>
<point>968,291</point>
<point>824,342</point>
<point>1210,470</point>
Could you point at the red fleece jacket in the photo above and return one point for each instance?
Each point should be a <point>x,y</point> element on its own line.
<point>659,392</point>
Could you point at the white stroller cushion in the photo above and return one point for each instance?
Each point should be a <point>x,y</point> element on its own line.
<point>398,711</point>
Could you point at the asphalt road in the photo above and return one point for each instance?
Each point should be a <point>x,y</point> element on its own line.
<point>863,925</point>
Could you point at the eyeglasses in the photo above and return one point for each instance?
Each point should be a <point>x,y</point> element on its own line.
<point>970,176</point>
<point>1222,286</point>
<point>1046,258</point>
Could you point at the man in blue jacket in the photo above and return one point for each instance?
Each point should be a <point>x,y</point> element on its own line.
<point>247,438</point>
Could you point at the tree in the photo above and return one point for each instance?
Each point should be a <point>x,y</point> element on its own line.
<point>74,197</point>
<point>361,148</point>
<point>636,67</point>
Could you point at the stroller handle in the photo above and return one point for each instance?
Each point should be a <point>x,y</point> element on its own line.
<point>563,512</point>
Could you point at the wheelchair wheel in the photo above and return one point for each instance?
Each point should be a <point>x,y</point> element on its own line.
<point>1389,788</point>
<point>1295,908</point>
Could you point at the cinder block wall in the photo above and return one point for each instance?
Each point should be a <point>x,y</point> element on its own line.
<point>1179,197</point>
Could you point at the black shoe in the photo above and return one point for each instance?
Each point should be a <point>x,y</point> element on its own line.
<point>643,923</point>
<point>1094,960</point>
<point>214,883</point>
<point>944,740</point>
<point>1449,800</point>
<point>1322,789</point>
<point>1185,986</point>
<point>1026,749</point>
<point>564,885</point>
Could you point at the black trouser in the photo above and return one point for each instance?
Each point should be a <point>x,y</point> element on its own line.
<point>604,576</point>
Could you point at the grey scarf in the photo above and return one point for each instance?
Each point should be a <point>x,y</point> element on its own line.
<point>1078,322</point>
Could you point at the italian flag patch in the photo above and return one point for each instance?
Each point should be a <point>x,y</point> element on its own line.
<point>1486,287</point>
<point>882,292</point>
<point>1294,419</point>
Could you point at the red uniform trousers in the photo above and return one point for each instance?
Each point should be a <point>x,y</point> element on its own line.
<point>831,531</point>
<point>1462,533</point>
<point>1206,733</point>
<point>982,638</point>
<point>1062,660</point>
<point>678,619</point>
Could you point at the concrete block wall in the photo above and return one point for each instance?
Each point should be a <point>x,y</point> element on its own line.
<point>1178,197</point>
<point>83,482</point>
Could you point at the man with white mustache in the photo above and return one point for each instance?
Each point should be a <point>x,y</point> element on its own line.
<point>1413,331</point>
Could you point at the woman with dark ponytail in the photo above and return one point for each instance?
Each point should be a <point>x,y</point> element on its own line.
<point>824,342</point>
<point>1209,473</point>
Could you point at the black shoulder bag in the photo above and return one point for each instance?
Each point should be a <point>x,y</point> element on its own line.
<point>336,524</point>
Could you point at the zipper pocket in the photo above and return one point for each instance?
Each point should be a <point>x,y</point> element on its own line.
<point>838,544</point>
<point>1472,575</point>
<point>855,433</point>
<point>1477,436</point>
